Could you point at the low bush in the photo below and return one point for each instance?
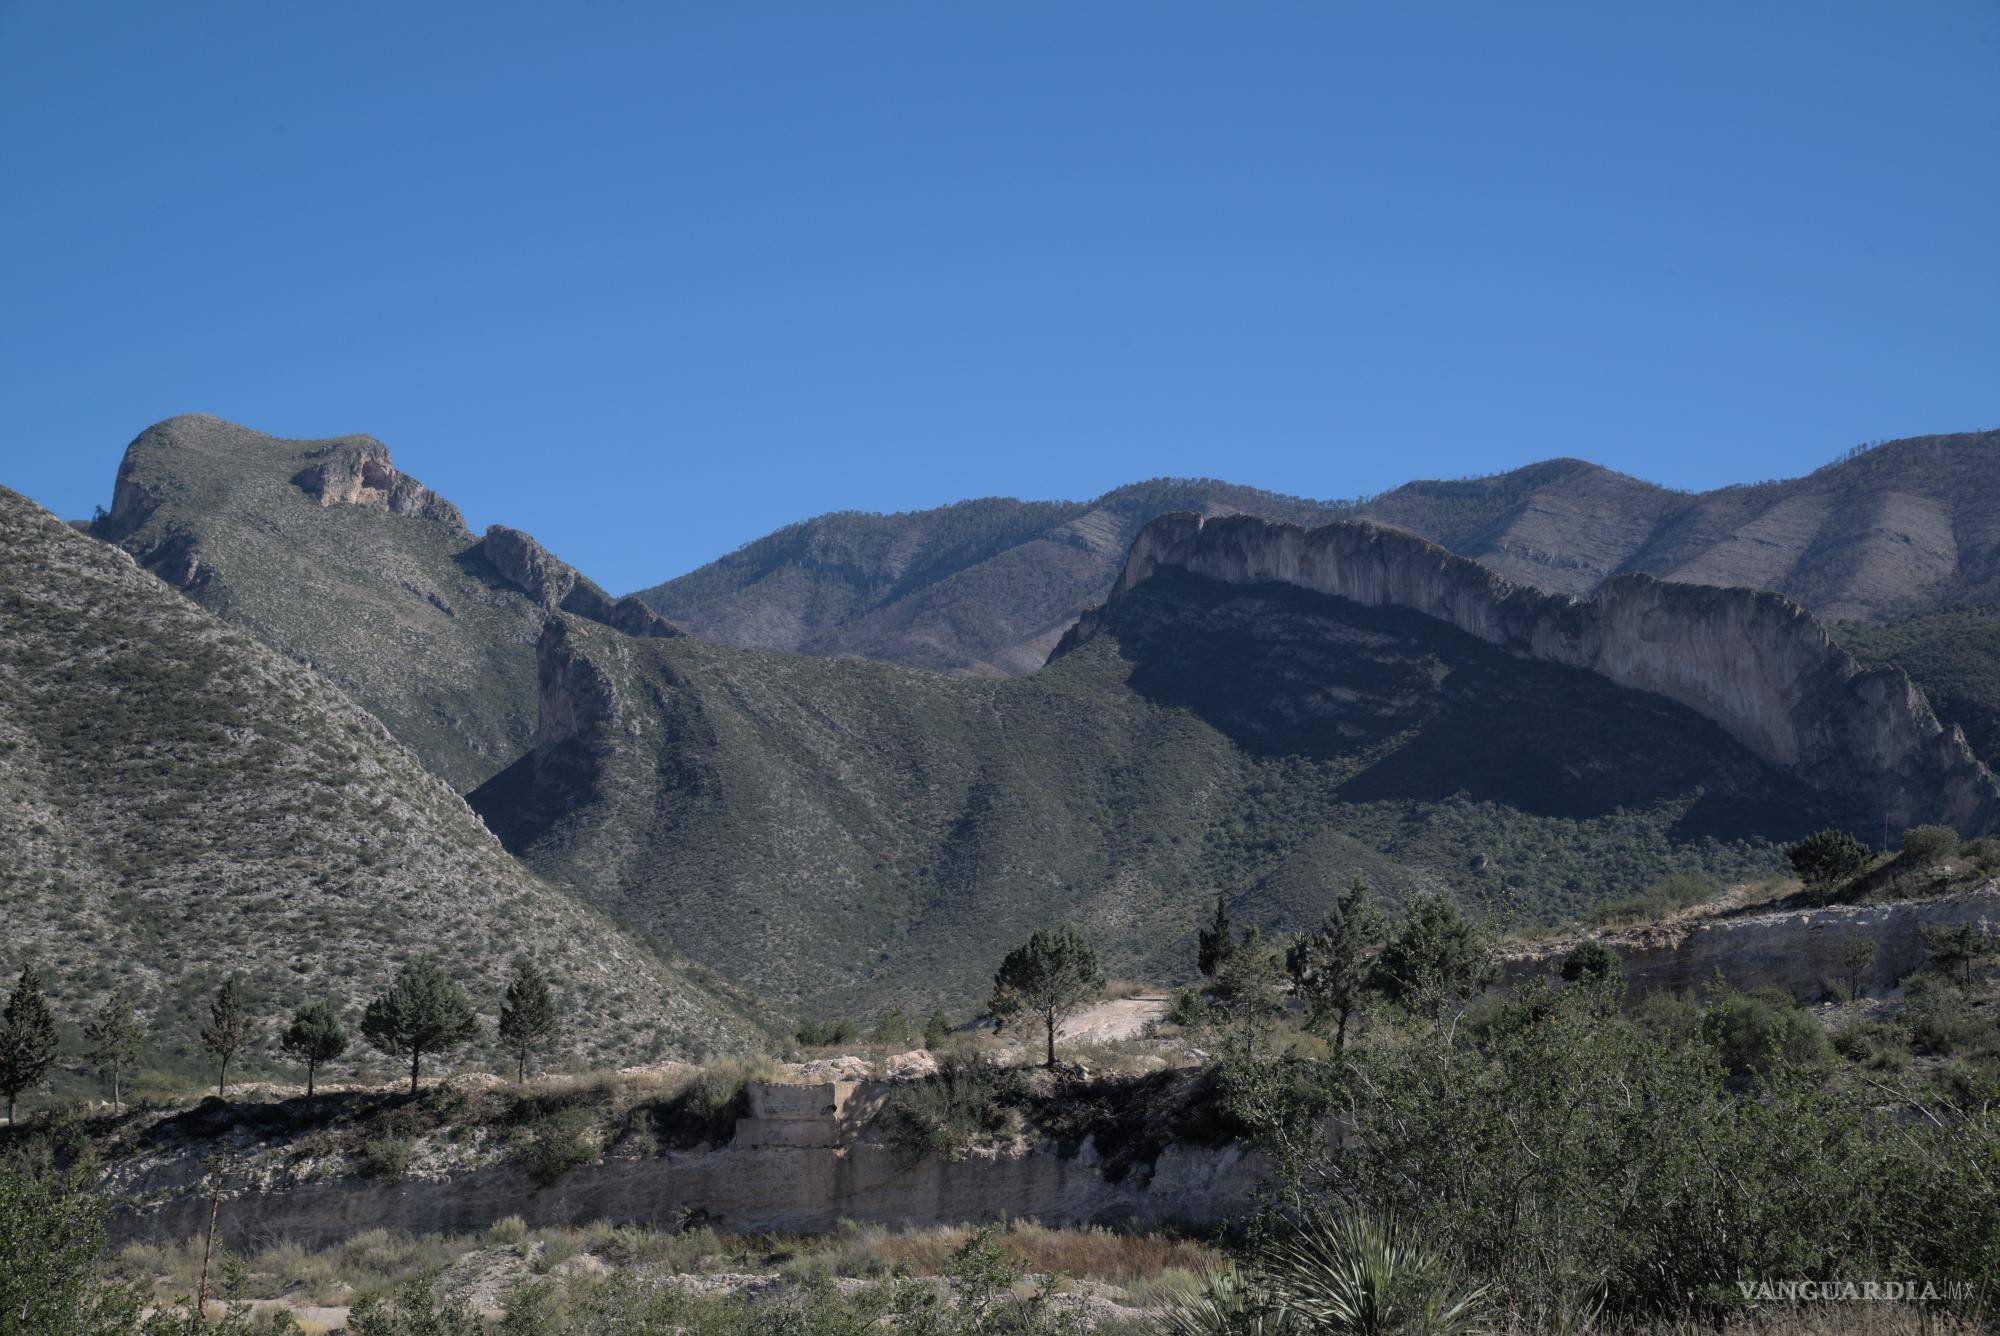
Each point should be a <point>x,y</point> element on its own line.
<point>1669,895</point>
<point>1925,845</point>
<point>557,1143</point>
<point>1875,1045</point>
<point>1757,1032</point>
<point>1938,1018</point>
<point>384,1157</point>
<point>948,1112</point>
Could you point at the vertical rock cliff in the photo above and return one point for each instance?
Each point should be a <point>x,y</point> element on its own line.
<point>1757,664</point>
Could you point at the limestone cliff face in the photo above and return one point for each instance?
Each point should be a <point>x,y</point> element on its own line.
<point>521,561</point>
<point>355,471</point>
<point>1755,663</point>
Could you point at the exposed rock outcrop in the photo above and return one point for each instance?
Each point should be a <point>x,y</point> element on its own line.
<point>1798,950</point>
<point>355,471</point>
<point>806,1158</point>
<point>557,586</point>
<point>1755,663</point>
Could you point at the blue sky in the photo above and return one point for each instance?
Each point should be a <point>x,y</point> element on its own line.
<point>651,280</point>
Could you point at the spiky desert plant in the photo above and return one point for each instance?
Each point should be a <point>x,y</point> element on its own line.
<point>1352,1274</point>
<point>1229,1304</point>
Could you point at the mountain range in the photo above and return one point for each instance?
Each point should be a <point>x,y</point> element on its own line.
<point>989,586</point>
<point>717,765</point>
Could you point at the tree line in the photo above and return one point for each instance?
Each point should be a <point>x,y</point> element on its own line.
<point>421,1014</point>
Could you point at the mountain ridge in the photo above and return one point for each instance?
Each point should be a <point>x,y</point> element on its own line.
<point>1898,527</point>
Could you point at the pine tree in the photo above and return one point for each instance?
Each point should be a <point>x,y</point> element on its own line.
<point>113,1037</point>
<point>27,1040</point>
<point>1329,968</point>
<point>1215,943</point>
<point>528,1016</point>
<point>937,1030</point>
<point>314,1037</point>
<point>1438,957</point>
<point>227,1032</point>
<point>423,1012</point>
<point>1050,977</point>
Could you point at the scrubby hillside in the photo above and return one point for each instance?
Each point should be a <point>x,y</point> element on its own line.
<point>179,803</point>
<point>849,834</point>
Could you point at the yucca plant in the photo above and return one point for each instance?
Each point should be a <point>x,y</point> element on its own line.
<point>1348,1273</point>
<point>1230,1304</point>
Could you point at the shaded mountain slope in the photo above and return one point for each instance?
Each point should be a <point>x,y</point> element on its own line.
<point>325,552</point>
<point>982,587</point>
<point>179,803</point>
<point>1904,526</point>
<point>848,834</point>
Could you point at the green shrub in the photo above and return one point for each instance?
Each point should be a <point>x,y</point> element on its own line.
<point>825,1034</point>
<point>414,1308</point>
<point>1938,1017</point>
<point>705,1111</point>
<point>1190,1009</point>
<point>385,1157</point>
<point>1826,858</point>
<point>1347,1273</point>
<point>1924,845</point>
<point>1984,854</point>
<point>1875,1045</point>
<point>51,1232</point>
<point>1564,1154</point>
<point>892,1029</point>
<point>944,1114</point>
<point>1590,962</point>
<point>1669,895</point>
<point>557,1143</point>
<point>1757,1032</point>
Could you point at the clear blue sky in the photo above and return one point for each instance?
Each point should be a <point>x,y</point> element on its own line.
<point>651,280</point>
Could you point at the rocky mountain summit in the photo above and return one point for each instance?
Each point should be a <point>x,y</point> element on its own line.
<point>179,804</point>
<point>1755,663</point>
<point>326,552</point>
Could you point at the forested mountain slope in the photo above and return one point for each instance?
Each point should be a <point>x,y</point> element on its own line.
<point>179,803</point>
<point>845,833</point>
